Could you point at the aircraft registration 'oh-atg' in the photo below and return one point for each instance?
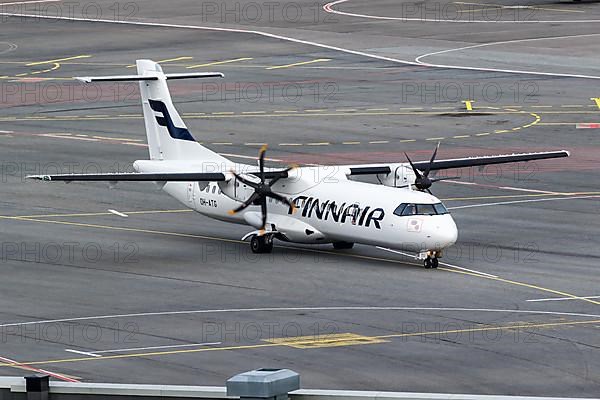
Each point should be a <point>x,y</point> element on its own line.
<point>309,204</point>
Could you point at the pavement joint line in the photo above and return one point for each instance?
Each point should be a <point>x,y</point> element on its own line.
<point>267,345</point>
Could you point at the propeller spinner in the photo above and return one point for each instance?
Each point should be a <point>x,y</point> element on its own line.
<point>423,181</point>
<point>262,189</point>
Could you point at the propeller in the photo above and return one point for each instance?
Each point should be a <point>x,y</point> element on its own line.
<point>262,189</point>
<point>423,181</point>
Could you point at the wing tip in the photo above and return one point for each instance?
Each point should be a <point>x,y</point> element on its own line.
<point>39,177</point>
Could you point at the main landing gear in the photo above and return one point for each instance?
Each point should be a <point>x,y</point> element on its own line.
<point>431,261</point>
<point>261,244</point>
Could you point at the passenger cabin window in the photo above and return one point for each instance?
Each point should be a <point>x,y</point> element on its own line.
<point>405,209</point>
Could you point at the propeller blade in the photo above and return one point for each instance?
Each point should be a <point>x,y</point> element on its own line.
<point>244,205</point>
<point>283,199</point>
<point>261,162</point>
<point>426,172</point>
<point>415,170</point>
<point>263,208</point>
<point>283,173</point>
<point>244,180</point>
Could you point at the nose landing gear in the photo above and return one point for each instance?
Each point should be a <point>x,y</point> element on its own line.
<point>430,261</point>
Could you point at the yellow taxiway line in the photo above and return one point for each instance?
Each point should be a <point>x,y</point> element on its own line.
<point>219,62</point>
<point>299,63</point>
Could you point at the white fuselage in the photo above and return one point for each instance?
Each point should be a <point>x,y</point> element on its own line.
<point>332,209</point>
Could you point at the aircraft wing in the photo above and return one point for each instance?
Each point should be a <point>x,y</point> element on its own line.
<point>373,169</point>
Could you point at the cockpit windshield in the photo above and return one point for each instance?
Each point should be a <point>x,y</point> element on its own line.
<point>405,209</point>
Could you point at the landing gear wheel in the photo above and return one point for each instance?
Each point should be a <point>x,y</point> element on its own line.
<point>261,244</point>
<point>342,245</point>
<point>427,263</point>
<point>434,262</point>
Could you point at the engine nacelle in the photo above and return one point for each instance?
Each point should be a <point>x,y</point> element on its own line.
<point>402,175</point>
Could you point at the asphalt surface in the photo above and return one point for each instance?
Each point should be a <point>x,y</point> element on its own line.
<point>169,296</point>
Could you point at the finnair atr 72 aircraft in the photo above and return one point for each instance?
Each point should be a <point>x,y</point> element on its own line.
<point>311,204</point>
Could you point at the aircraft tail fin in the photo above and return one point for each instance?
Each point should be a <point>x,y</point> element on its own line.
<point>168,137</point>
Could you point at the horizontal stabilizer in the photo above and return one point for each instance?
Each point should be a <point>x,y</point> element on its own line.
<point>133,78</point>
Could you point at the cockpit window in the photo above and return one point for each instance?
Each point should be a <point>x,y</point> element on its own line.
<point>399,209</point>
<point>410,209</point>
<point>425,209</point>
<point>440,208</point>
<point>420,209</point>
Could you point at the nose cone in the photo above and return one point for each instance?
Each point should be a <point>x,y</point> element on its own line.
<point>445,233</point>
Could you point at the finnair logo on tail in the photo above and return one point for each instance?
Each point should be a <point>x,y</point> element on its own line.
<point>167,122</point>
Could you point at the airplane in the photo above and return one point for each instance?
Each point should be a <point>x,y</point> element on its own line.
<point>313,204</point>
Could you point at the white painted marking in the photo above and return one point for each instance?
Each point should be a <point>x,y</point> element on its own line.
<point>15,3</point>
<point>328,8</point>
<point>285,309</point>
<point>527,190</point>
<point>7,132</point>
<point>469,270</point>
<point>120,214</point>
<point>502,203</point>
<point>156,347</point>
<point>421,57</point>
<point>441,263</point>
<point>249,157</point>
<point>84,353</point>
<point>460,183</point>
<point>564,298</point>
<point>290,39</point>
